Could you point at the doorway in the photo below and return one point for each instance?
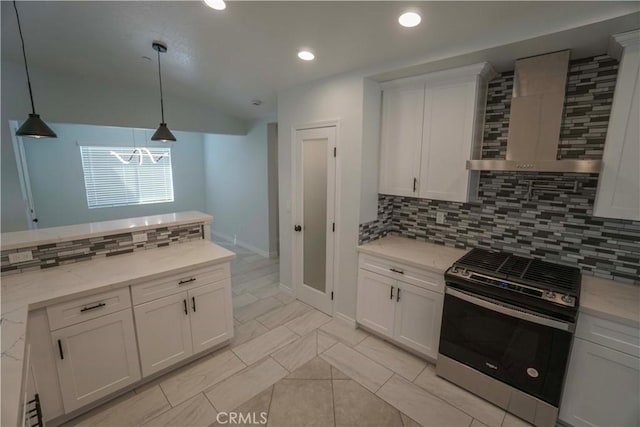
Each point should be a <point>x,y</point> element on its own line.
<point>315,206</point>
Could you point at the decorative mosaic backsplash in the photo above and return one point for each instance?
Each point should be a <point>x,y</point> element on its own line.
<point>61,253</point>
<point>556,226</point>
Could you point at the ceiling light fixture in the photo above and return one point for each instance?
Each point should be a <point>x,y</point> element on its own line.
<point>306,55</point>
<point>409,19</point>
<point>215,4</point>
<point>163,133</point>
<point>34,126</point>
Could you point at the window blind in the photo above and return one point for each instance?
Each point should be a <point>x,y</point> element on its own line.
<point>134,180</point>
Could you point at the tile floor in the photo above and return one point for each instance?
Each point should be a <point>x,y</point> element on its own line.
<point>299,367</point>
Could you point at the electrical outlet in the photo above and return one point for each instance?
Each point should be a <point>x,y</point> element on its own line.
<point>439,217</point>
<point>20,257</point>
<point>139,237</point>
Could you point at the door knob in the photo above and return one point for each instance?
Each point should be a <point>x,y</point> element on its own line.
<point>297,228</point>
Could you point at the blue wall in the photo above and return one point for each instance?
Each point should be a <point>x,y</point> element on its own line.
<point>57,183</point>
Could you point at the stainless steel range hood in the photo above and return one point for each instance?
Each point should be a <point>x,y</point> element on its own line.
<point>535,119</point>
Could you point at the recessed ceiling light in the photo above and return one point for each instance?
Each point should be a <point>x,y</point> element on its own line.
<point>215,4</point>
<point>409,19</point>
<point>305,55</point>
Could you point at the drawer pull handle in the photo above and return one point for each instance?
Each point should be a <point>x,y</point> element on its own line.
<point>193,301</point>
<point>93,307</point>
<point>60,350</point>
<point>396,271</point>
<point>182,282</point>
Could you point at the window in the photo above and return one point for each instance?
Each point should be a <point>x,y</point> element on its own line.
<point>121,176</point>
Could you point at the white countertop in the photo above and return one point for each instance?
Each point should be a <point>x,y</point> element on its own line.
<point>604,298</point>
<point>415,253</point>
<point>27,238</point>
<point>31,290</point>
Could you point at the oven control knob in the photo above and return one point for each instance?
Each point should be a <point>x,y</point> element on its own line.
<point>455,270</point>
<point>567,299</point>
<point>550,295</point>
<point>465,273</point>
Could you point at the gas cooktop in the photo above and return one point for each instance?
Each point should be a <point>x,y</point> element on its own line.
<point>531,278</point>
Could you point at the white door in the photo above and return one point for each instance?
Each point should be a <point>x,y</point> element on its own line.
<point>164,332</point>
<point>401,139</point>
<point>418,318</point>
<point>602,387</point>
<point>376,302</point>
<point>211,321</point>
<point>314,227</point>
<point>96,358</point>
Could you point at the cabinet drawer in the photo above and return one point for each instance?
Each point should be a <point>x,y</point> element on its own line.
<point>415,276</point>
<point>86,308</point>
<point>169,285</point>
<point>609,334</point>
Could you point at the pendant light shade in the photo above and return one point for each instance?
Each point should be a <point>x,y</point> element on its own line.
<point>163,133</point>
<point>33,127</point>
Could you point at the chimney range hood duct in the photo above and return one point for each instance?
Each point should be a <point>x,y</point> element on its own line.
<point>535,119</point>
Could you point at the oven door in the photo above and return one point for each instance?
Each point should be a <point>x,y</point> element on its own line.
<point>525,350</point>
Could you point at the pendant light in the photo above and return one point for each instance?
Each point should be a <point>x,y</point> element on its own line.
<point>33,127</point>
<point>163,133</point>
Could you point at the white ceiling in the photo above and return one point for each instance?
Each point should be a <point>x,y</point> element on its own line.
<point>248,51</point>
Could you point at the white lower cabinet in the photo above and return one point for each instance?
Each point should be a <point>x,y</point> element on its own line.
<point>602,388</point>
<point>407,314</point>
<point>175,327</point>
<point>96,358</point>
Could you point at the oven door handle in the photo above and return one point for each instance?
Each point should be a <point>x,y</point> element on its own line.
<point>513,312</point>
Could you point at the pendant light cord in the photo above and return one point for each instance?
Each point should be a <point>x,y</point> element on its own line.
<point>160,76</point>
<point>24,55</point>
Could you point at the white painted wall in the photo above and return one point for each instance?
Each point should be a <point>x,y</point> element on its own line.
<point>71,99</point>
<point>339,98</point>
<point>236,188</point>
<point>57,180</point>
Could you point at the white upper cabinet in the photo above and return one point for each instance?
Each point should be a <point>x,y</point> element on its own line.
<point>431,125</point>
<point>401,139</point>
<point>618,194</point>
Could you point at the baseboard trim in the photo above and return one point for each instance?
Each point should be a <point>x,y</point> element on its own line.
<point>245,245</point>
<point>344,318</point>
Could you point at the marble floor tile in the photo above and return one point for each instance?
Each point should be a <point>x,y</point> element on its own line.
<point>309,321</point>
<point>244,385</point>
<point>408,422</point>
<point>342,331</point>
<point>254,273</point>
<point>392,357</point>
<point>513,421</point>
<point>476,423</point>
<point>200,376</point>
<point>358,367</point>
<point>473,405</point>
<point>265,291</point>
<point>254,408</point>
<point>238,288</point>
<point>299,352</point>
<point>423,407</point>
<point>337,374</point>
<point>315,369</point>
<point>298,403</point>
<point>262,346</point>
<point>325,342</point>
<point>253,310</point>
<point>357,406</point>
<point>281,315</point>
<point>243,300</point>
<point>195,412</point>
<point>132,411</point>
<point>285,298</point>
<point>247,331</point>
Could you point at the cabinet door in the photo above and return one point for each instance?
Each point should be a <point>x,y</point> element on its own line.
<point>376,302</point>
<point>618,194</point>
<point>164,332</point>
<point>211,321</point>
<point>401,140</point>
<point>601,387</point>
<point>417,319</point>
<point>447,140</point>
<point>96,358</point>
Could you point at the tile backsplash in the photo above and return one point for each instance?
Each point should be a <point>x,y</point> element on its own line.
<point>555,226</point>
<point>60,253</point>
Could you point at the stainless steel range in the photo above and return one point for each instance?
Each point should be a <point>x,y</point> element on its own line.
<point>507,328</point>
